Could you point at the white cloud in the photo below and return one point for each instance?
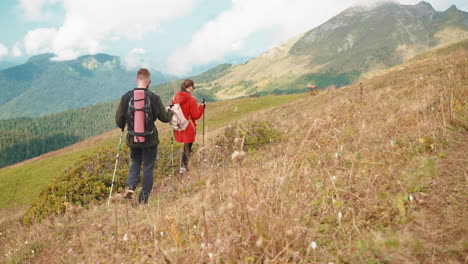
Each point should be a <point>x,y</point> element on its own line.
<point>66,54</point>
<point>34,9</point>
<point>3,50</point>
<point>16,51</point>
<point>136,59</point>
<point>89,22</point>
<point>231,29</point>
<point>138,51</point>
<point>39,40</point>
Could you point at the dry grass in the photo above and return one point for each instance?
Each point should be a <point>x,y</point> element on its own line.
<point>372,178</point>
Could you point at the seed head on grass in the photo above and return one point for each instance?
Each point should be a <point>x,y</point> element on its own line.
<point>238,144</point>
<point>259,242</point>
<point>239,155</point>
<point>313,245</point>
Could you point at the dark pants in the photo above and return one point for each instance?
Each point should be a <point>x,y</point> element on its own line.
<point>147,156</point>
<point>186,154</point>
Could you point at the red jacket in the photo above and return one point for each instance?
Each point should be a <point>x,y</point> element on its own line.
<point>192,111</point>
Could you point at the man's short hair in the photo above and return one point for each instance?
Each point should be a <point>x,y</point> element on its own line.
<point>143,74</point>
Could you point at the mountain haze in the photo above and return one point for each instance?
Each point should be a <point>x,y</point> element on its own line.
<point>360,41</point>
<point>42,86</point>
<point>6,64</point>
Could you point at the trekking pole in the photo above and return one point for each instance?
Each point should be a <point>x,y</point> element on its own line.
<point>171,131</point>
<point>204,105</point>
<point>115,166</point>
<point>172,152</point>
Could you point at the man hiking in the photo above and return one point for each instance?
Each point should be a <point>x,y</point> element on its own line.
<point>143,144</point>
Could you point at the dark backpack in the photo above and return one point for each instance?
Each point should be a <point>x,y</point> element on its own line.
<point>149,121</point>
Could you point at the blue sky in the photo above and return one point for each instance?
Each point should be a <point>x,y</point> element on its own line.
<point>171,36</point>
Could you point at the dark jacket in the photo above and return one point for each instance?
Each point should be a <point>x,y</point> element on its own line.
<point>159,112</point>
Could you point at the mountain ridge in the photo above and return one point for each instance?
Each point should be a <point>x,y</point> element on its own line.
<point>360,41</point>
<point>43,86</point>
<point>6,64</point>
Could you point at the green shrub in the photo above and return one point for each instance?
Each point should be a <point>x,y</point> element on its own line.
<point>88,180</point>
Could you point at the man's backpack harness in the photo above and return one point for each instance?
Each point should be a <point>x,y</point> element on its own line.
<point>149,121</point>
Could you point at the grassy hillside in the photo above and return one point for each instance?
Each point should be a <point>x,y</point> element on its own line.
<point>371,173</point>
<point>443,50</point>
<point>23,182</point>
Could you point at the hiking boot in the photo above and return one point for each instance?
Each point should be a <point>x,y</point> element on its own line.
<point>143,198</point>
<point>128,194</point>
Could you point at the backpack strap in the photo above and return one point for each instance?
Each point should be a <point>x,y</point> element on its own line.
<point>193,124</point>
<point>146,108</point>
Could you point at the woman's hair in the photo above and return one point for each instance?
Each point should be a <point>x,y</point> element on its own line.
<point>186,84</point>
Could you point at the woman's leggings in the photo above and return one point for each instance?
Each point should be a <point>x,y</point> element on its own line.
<point>186,154</point>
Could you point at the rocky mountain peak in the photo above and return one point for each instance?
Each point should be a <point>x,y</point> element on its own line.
<point>452,8</point>
<point>423,10</point>
<point>425,4</point>
<point>100,57</point>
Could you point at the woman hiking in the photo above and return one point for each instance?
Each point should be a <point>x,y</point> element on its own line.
<point>192,111</point>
